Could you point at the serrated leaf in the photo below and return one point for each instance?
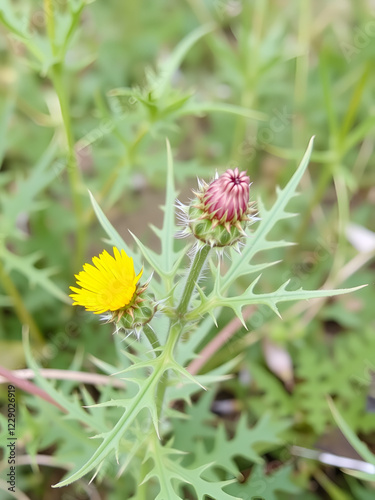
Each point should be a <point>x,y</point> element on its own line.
<point>241,264</point>
<point>340,369</point>
<point>144,399</point>
<point>167,470</point>
<point>41,277</point>
<point>246,443</point>
<point>274,395</point>
<point>167,263</point>
<point>114,238</point>
<point>271,299</point>
<point>169,228</point>
<point>73,408</point>
<point>195,384</point>
<point>266,485</point>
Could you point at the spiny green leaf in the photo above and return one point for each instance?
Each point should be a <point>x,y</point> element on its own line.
<point>196,426</point>
<point>169,228</point>
<point>241,264</point>
<point>266,485</point>
<point>144,399</point>
<point>271,299</point>
<point>41,277</point>
<point>167,470</point>
<point>313,367</point>
<point>246,443</point>
<point>74,409</point>
<point>114,238</point>
<point>167,263</point>
<point>338,369</point>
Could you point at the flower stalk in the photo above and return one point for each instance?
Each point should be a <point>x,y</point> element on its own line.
<point>151,337</point>
<point>192,279</point>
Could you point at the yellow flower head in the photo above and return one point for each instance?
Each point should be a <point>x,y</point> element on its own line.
<point>109,286</point>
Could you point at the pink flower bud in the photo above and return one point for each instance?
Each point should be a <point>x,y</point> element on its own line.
<point>221,211</point>
<point>227,197</point>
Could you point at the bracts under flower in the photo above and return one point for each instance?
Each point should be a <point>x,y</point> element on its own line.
<point>221,211</point>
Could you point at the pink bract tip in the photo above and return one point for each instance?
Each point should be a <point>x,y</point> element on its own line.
<point>228,196</point>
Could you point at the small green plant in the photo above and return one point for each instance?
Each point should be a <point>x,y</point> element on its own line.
<point>174,311</point>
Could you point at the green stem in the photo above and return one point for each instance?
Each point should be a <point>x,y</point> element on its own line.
<point>56,75</point>
<point>302,69</point>
<point>151,337</point>
<point>174,335</point>
<point>250,38</point>
<point>50,22</point>
<point>354,104</point>
<point>142,488</point>
<point>192,279</point>
<point>72,166</point>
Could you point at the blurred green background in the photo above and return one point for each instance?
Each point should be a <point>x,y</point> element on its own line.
<point>230,83</point>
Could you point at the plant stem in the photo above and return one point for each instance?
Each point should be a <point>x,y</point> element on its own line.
<point>142,488</point>
<point>192,279</point>
<point>50,22</point>
<point>177,328</point>
<point>151,337</point>
<point>174,334</point>
<point>56,75</point>
<point>72,166</point>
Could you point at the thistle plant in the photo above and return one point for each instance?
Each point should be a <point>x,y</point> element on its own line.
<point>171,313</point>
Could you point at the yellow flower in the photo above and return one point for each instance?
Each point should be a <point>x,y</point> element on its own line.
<point>109,286</point>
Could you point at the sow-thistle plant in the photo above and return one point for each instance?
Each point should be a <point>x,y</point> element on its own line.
<point>175,314</point>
